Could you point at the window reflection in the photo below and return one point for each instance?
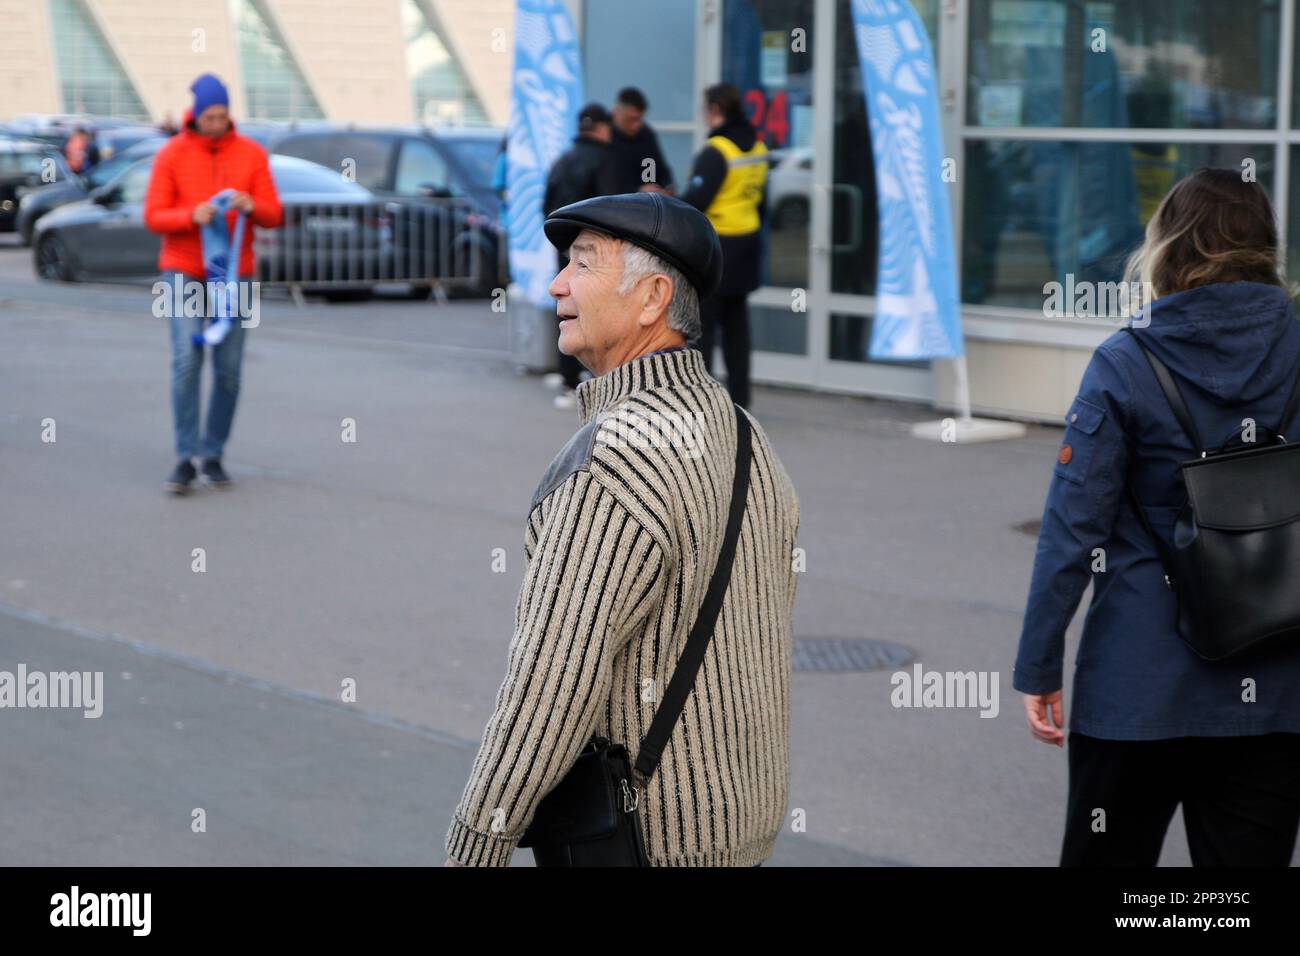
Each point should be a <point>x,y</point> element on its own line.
<point>1139,63</point>
<point>771,65</point>
<point>1035,211</point>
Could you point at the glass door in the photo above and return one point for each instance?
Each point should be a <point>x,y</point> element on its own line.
<point>796,65</point>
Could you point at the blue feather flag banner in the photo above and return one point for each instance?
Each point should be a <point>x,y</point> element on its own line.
<point>545,96</point>
<point>917,311</point>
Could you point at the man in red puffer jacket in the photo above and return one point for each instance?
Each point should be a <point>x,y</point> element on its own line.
<point>204,158</point>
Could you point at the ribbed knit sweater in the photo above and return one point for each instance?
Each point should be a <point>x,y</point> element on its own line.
<point>622,537</point>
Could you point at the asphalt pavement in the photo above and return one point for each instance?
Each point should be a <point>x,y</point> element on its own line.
<point>333,565</point>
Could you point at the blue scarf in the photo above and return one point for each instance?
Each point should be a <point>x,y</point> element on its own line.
<point>221,267</point>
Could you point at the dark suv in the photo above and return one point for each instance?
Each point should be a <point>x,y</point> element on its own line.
<point>417,165</point>
<point>26,165</point>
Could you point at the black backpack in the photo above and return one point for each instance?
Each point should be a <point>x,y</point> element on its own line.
<point>1235,562</point>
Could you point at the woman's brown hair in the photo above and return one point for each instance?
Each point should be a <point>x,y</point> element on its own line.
<point>1212,227</point>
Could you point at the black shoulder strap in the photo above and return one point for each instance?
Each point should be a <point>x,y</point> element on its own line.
<point>1172,394</point>
<point>1292,406</point>
<point>1175,399</point>
<point>683,679</point>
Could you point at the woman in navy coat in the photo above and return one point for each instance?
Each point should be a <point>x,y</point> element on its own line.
<point>1153,725</point>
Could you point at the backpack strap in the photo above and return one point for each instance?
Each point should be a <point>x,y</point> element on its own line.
<point>1292,405</point>
<point>1175,399</point>
<point>688,665</point>
<point>1167,384</point>
<point>1162,550</point>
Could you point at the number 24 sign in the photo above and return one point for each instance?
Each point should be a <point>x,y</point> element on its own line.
<point>770,117</point>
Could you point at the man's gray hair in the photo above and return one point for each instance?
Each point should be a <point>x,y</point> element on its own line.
<point>684,308</point>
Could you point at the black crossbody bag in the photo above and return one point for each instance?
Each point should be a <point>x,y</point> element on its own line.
<point>1235,563</point>
<point>590,818</point>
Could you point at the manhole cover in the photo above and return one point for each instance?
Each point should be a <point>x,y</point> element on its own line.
<point>842,654</point>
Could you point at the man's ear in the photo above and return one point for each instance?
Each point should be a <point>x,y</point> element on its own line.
<point>658,294</point>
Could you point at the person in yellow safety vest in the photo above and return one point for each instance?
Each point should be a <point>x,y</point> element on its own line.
<point>729,184</point>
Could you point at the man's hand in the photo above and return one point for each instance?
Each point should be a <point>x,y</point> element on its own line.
<point>653,188</point>
<point>203,213</point>
<point>1038,707</point>
<point>243,202</point>
<point>451,862</point>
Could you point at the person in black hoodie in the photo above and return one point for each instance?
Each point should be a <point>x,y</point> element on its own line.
<point>585,171</point>
<point>729,184</point>
<point>635,142</point>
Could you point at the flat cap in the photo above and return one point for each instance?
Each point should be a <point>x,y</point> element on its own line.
<point>675,231</point>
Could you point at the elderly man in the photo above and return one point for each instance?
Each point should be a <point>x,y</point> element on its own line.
<point>622,538</point>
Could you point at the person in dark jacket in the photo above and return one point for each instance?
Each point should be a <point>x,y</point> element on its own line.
<point>1154,725</point>
<point>641,163</point>
<point>729,183</point>
<point>585,171</point>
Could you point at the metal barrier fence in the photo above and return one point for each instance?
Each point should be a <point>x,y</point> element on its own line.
<point>440,244</point>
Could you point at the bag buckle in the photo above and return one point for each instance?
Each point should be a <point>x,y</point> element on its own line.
<point>631,796</point>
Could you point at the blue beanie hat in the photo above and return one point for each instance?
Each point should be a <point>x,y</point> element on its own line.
<point>208,91</point>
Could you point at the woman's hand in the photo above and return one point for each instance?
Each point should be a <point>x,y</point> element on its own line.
<point>1038,709</point>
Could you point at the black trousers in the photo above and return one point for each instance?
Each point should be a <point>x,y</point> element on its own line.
<point>1240,797</point>
<point>728,314</point>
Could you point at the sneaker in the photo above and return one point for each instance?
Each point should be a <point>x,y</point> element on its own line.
<point>214,474</point>
<point>566,399</point>
<point>178,482</point>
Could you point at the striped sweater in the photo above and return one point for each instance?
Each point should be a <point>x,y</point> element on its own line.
<point>622,538</point>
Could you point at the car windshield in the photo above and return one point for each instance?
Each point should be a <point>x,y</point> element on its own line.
<point>477,156</point>
<point>304,177</point>
<point>107,170</point>
<point>31,163</point>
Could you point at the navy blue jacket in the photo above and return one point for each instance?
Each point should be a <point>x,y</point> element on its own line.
<point>1234,349</point>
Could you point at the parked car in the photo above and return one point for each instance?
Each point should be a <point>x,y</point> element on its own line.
<point>26,165</point>
<point>115,140</point>
<point>41,200</point>
<point>418,165</point>
<point>262,132</point>
<point>104,236</point>
<point>790,188</point>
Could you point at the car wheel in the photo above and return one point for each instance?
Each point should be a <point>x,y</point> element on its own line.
<point>53,261</point>
<point>470,252</point>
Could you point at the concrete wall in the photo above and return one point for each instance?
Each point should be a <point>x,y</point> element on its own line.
<point>350,52</point>
<point>351,55</point>
<point>164,46</point>
<point>28,83</point>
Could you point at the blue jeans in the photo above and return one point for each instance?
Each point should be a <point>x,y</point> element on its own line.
<point>187,367</point>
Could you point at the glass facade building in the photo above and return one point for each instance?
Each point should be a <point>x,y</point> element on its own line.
<point>442,94</point>
<point>1066,121</point>
<point>274,88</point>
<point>91,79</point>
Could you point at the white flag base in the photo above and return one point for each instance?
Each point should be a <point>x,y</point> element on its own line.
<point>968,431</point>
<point>962,429</point>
